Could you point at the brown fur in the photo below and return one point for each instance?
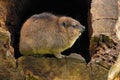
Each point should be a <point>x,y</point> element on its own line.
<point>46,33</point>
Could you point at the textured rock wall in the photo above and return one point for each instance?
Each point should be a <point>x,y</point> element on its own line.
<point>8,70</point>
<point>104,14</point>
<point>103,19</point>
<point>104,45</point>
<point>115,69</point>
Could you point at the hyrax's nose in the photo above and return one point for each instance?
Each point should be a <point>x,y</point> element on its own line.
<point>82,28</point>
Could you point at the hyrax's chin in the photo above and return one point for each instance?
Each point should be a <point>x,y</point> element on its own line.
<point>74,38</point>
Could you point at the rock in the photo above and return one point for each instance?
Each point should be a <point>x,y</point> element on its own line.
<point>104,9</point>
<point>103,48</point>
<point>103,26</point>
<point>53,68</point>
<point>115,70</point>
<point>98,70</point>
<point>103,16</point>
<point>5,48</point>
<point>8,70</point>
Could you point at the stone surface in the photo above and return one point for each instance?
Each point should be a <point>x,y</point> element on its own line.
<point>103,48</point>
<point>103,20</point>
<point>44,68</point>
<point>104,9</point>
<point>103,26</point>
<point>53,68</point>
<point>8,70</point>
<point>103,16</point>
<point>115,69</point>
<point>98,71</point>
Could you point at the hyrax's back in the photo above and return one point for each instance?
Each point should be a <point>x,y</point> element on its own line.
<point>48,34</point>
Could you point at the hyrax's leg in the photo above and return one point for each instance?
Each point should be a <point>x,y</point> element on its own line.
<point>59,55</point>
<point>115,69</point>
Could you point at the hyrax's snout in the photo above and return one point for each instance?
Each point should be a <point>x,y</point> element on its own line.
<point>81,28</point>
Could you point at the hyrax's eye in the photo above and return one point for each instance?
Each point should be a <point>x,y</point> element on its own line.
<point>73,26</point>
<point>63,24</point>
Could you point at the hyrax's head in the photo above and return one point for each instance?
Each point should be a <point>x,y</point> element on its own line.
<point>71,26</point>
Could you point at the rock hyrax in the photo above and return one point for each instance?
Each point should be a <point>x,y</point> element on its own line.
<point>46,33</point>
